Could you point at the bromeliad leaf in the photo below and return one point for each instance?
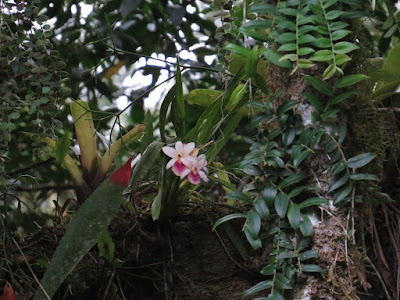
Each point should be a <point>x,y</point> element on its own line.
<point>228,218</point>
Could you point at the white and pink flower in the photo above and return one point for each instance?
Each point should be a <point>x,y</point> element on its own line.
<point>184,162</point>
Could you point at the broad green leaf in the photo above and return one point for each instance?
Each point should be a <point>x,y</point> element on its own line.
<point>338,25</point>
<point>293,215</point>
<point>334,14</point>
<point>236,95</point>
<point>62,147</point>
<point>106,246</point>
<point>261,286</point>
<point>341,194</point>
<point>261,8</point>
<point>329,72</point>
<point>269,194</point>
<point>262,208</point>
<point>323,42</point>
<point>274,57</point>
<point>253,223</point>
<point>255,242</point>
<point>291,57</point>
<point>362,176</point>
<point>300,157</point>
<point>286,106</point>
<point>311,268</point>
<point>257,23</point>
<point>156,206</point>
<point>339,98</point>
<point>340,59</point>
<point>339,34</point>
<point>312,201</point>
<point>306,39</point>
<point>322,55</point>
<point>254,34</point>
<point>292,179</point>
<point>285,37</point>
<point>281,282</point>
<point>287,47</point>
<point>360,160</point>
<point>288,136</point>
<point>314,101</point>
<point>281,204</point>
<point>305,51</point>
<point>306,226</point>
<point>309,254</point>
<point>344,47</point>
<point>239,196</point>
<point>250,67</point>
<point>390,71</point>
<point>268,270</point>
<point>305,63</point>
<point>319,85</point>
<point>298,190</point>
<point>228,218</point>
<point>86,227</point>
<point>350,80</point>
<point>338,181</point>
<point>304,29</point>
<point>203,97</point>
<point>242,51</point>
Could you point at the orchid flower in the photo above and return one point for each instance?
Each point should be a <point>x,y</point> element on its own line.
<point>181,157</point>
<point>197,170</point>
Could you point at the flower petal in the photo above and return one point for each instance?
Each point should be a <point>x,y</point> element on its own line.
<point>194,178</point>
<point>169,151</point>
<point>189,161</point>
<point>203,176</point>
<point>188,149</point>
<point>178,168</point>
<point>184,173</point>
<point>179,147</point>
<point>171,163</point>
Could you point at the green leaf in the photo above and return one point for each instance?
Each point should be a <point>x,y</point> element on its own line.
<point>14,115</point>
<point>334,14</point>
<point>275,295</point>
<point>281,204</point>
<point>254,34</point>
<point>45,90</point>
<point>300,157</point>
<point>239,196</point>
<point>360,160</point>
<point>261,286</point>
<point>106,246</point>
<point>257,23</point>
<point>287,47</point>
<point>255,242</point>
<point>163,111</point>
<point>341,194</point>
<point>339,98</point>
<point>314,101</point>
<point>319,85</point>
<point>337,168</point>
<point>305,51</point>
<point>306,39</point>
<point>306,226</point>
<point>338,25</point>
<point>305,63</point>
<point>269,194</point>
<point>322,55</point>
<point>281,282</point>
<point>240,50</point>
<point>293,215</point>
<point>313,201</point>
<point>309,254</point>
<point>338,181</point>
<point>87,226</point>
<point>311,268</point>
<point>340,59</point>
<point>304,29</point>
<point>350,80</point>
<point>344,47</point>
<point>268,270</point>
<point>339,34</point>
<point>228,218</point>
<point>274,58</point>
<point>363,176</point>
<point>253,223</point>
<point>298,190</point>
<point>292,179</point>
<point>157,205</point>
<point>286,106</point>
<point>261,207</point>
<point>323,42</point>
<point>62,147</point>
<point>285,37</point>
<point>261,8</point>
<point>329,72</point>
<point>291,57</point>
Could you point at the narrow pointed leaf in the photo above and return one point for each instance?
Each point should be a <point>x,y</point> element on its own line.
<point>306,226</point>
<point>362,176</point>
<point>274,58</point>
<point>350,80</point>
<point>261,286</point>
<point>281,204</point>
<point>311,268</point>
<point>319,85</point>
<point>360,160</point>
<point>293,215</point>
<point>313,201</point>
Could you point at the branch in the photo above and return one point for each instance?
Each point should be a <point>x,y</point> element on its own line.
<point>42,187</point>
<point>28,167</point>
